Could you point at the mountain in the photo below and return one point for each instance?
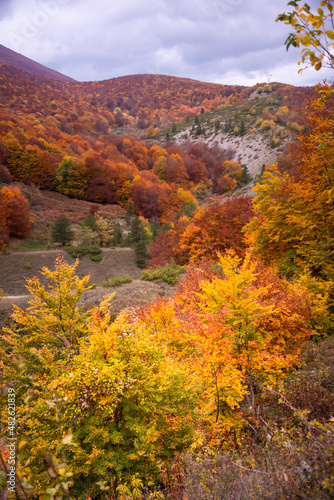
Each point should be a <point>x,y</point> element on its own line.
<point>105,142</point>
<point>11,57</point>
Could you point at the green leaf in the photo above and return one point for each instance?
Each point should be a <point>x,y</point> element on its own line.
<point>51,491</point>
<point>2,476</point>
<point>27,486</point>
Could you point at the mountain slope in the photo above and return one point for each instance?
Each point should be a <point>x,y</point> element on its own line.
<point>68,136</point>
<point>11,57</point>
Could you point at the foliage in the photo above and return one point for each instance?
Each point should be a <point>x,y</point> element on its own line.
<point>290,452</point>
<point>241,327</point>
<point>94,251</point>
<point>104,229</point>
<point>294,224</point>
<point>169,273</point>
<point>119,280</point>
<point>313,31</point>
<point>210,231</point>
<point>61,231</point>
<point>15,218</point>
<point>71,178</point>
<point>105,402</point>
<point>139,238</point>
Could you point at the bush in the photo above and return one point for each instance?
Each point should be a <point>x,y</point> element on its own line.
<point>95,257</point>
<point>119,280</point>
<point>94,251</point>
<point>76,252</point>
<point>168,273</point>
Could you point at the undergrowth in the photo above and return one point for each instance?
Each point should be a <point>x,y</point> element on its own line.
<point>169,273</point>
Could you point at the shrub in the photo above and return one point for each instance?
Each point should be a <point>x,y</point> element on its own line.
<point>94,251</point>
<point>95,257</point>
<point>119,280</point>
<point>168,273</point>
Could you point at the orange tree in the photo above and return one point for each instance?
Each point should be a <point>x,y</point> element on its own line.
<point>294,226</point>
<point>240,327</point>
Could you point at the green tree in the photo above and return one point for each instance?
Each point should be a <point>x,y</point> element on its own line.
<point>245,177</point>
<point>117,234</point>
<point>71,178</point>
<point>61,230</point>
<point>138,240</point>
<point>242,129</point>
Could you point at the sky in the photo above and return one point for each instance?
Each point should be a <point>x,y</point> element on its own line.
<point>234,42</point>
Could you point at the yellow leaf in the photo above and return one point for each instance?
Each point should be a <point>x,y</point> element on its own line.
<point>330,34</point>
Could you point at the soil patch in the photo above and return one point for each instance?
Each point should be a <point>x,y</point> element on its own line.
<point>17,267</point>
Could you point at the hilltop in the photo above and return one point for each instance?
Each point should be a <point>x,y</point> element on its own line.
<point>19,61</point>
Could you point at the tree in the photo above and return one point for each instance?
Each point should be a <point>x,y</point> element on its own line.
<point>217,229</point>
<point>313,31</point>
<point>104,229</point>
<point>61,230</point>
<point>211,231</point>
<point>294,226</point>
<point>240,327</point>
<point>138,240</point>
<point>99,401</point>
<point>71,178</point>
<point>15,212</point>
<point>242,129</point>
<point>245,178</point>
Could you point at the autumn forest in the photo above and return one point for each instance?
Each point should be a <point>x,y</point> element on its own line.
<point>223,385</point>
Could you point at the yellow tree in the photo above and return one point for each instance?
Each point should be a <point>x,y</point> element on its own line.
<point>240,327</point>
<point>53,319</point>
<point>99,401</point>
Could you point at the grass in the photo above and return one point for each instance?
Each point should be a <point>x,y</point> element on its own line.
<point>32,245</point>
<point>119,280</point>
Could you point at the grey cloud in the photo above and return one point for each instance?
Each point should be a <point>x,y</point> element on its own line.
<point>201,39</point>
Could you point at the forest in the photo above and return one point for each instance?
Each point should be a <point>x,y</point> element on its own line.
<point>226,388</point>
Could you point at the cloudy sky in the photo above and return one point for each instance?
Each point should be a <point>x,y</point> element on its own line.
<point>222,41</point>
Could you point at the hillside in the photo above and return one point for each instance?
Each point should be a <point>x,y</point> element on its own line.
<point>214,388</point>
<point>21,62</point>
<point>106,141</point>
